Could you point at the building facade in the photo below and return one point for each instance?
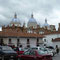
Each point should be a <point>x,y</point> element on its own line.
<point>15,34</point>
<point>32,35</point>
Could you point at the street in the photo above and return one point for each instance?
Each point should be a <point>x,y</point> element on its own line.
<point>56,57</point>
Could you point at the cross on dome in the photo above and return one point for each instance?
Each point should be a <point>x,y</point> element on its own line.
<point>45,20</point>
<point>46,24</point>
<point>32,15</point>
<point>15,21</point>
<point>15,16</point>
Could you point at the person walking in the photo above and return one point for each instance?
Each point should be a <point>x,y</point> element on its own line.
<point>57,49</point>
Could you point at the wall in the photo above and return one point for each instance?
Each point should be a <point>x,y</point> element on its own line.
<point>23,41</point>
<point>49,39</point>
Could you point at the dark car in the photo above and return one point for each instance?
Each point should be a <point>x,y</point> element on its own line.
<point>34,55</point>
<point>7,53</point>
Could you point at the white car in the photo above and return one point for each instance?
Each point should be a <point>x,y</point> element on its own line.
<point>47,51</point>
<point>51,49</point>
<point>43,50</point>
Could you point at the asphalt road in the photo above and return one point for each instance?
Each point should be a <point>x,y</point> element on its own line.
<point>56,57</point>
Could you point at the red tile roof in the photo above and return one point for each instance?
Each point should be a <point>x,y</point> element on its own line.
<point>51,32</point>
<point>19,34</point>
<point>56,40</point>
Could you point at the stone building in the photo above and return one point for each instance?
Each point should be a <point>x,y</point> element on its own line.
<point>14,34</point>
<point>32,35</point>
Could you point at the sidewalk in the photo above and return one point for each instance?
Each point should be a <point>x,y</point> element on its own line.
<point>56,57</point>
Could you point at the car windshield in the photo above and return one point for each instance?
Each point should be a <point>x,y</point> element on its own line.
<point>44,49</point>
<point>50,47</point>
<point>26,53</point>
<point>40,52</point>
<point>35,48</point>
<point>6,48</point>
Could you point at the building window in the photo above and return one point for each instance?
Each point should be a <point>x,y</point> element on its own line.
<point>41,32</point>
<point>28,46</point>
<point>28,41</point>
<point>1,41</point>
<point>37,40</point>
<point>18,42</point>
<point>37,44</point>
<point>29,31</point>
<point>44,40</point>
<point>9,41</point>
<point>21,46</point>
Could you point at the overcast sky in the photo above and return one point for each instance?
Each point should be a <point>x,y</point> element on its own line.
<point>41,9</point>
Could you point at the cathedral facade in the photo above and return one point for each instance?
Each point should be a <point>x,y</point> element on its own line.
<point>32,35</point>
<point>17,35</point>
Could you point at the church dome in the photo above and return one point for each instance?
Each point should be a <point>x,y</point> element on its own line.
<point>46,24</point>
<point>32,22</point>
<point>15,21</point>
<point>32,19</point>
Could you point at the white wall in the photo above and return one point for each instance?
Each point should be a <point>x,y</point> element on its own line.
<point>49,39</point>
<point>5,40</point>
<point>56,43</point>
<point>23,41</point>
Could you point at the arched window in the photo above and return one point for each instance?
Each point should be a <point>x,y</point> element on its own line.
<point>28,46</point>
<point>44,40</point>
<point>37,42</point>
<point>21,46</point>
<point>18,42</point>
<point>9,40</point>
<point>1,41</point>
<point>28,41</point>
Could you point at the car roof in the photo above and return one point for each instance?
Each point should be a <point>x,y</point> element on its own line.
<point>35,47</point>
<point>4,46</point>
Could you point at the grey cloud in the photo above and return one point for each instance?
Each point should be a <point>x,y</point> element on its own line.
<point>24,8</point>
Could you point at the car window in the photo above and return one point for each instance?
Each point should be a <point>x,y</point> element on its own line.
<point>7,48</point>
<point>14,49</point>
<point>44,49</point>
<point>35,48</point>
<point>32,52</point>
<point>26,53</point>
<point>41,52</point>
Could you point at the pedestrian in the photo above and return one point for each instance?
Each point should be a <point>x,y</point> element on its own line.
<point>57,49</point>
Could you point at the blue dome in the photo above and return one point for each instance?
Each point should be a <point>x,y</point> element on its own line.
<point>46,24</point>
<point>32,20</point>
<point>15,20</point>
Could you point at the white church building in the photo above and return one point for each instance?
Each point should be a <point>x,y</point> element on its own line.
<point>32,35</point>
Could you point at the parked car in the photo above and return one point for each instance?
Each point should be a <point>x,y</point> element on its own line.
<point>51,49</point>
<point>43,49</point>
<point>47,51</point>
<point>34,55</point>
<point>7,53</point>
